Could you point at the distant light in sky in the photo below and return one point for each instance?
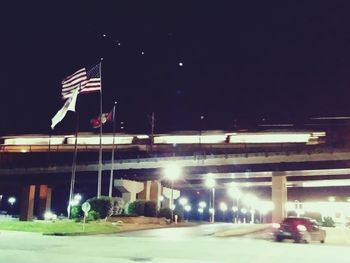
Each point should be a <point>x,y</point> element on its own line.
<point>181,64</point>
<point>142,53</point>
<point>119,43</point>
<point>104,35</point>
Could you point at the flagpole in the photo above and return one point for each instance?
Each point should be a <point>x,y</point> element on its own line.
<point>74,165</point>
<point>112,158</point>
<point>99,177</point>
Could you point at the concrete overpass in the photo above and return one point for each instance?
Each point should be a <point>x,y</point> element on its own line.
<point>266,168</point>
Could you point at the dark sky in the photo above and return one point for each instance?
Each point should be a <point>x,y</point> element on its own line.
<point>284,62</point>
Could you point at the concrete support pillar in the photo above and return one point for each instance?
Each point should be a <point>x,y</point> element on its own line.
<point>44,200</point>
<point>156,192</point>
<point>279,196</point>
<point>27,203</point>
<point>145,193</point>
<point>129,189</point>
<point>167,196</point>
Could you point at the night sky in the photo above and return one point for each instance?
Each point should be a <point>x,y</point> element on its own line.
<point>243,62</point>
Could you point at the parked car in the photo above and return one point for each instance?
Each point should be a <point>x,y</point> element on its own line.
<point>300,229</point>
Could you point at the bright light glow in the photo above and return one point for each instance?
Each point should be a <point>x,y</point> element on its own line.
<point>172,172</point>
<point>78,197</point>
<point>74,202</point>
<point>11,200</point>
<point>276,225</point>
<point>183,201</point>
<point>331,199</point>
<point>250,200</point>
<point>301,227</point>
<point>270,137</point>
<point>106,139</point>
<point>265,206</point>
<point>142,136</point>
<point>244,211</point>
<point>24,150</point>
<point>234,208</point>
<point>210,181</point>
<point>234,192</point>
<point>223,207</point>
<point>50,216</point>
<point>190,139</point>
<point>161,198</point>
<point>200,210</point>
<point>31,140</point>
<point>211,210</point>
<point>181,64</point>
<point>187,208</point>
<point>202,204</point>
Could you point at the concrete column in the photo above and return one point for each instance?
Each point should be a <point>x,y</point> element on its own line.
<point>129,189</point>
<point>44,200</point>
<point>27,203</point>
<point>279,196</point>
<point>156,192</point>
<point>167,196</point>
<point>145,194</point>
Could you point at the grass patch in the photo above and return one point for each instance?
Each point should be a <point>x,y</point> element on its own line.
<point>59,227</point>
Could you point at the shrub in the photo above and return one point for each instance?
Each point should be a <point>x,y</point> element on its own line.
<point>165,212</point>
<point>140,207</point>
<point>130,208</point>
<point>102,205</point>
<point>76,212</point>
<point>328,222</point>
<point>92,216</point>
<point>150,209</point>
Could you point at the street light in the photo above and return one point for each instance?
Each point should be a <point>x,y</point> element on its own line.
<point>183,201</point>
<point>202,204</point>
<point>187,210</point>
<point>210,183</point>
<point>223,208</point>
<point>172,172</point>
<point>235,194</point>
<point>11,200</point>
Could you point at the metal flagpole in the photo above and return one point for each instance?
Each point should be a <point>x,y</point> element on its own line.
<point>112,158</point>
<point>99,178</point>
<point>74,165</point>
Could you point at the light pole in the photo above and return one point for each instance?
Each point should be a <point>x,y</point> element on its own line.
<point>210,183</point>
<point>172,172</point>
<point>201,205</point>
<point>235,194</point>
<point>187,210</point>
<point>223,208</point>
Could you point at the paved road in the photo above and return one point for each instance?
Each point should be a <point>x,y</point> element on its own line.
<point>182,232</point>
<point>162,245</point>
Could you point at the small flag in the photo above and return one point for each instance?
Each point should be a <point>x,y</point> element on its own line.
<point>96,122</point>
<point>85,80</point>
<point>69,105</point>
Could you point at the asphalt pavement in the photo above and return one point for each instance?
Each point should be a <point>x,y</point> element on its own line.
<point>188,245</point>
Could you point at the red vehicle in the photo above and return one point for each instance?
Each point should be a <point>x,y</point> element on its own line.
<point>300,229</point>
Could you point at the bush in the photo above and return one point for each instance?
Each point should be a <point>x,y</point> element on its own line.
<point>92,216</point>
<point>140,207</point>
<point>130,208</point>
<point>102,205</point>
<point>150,209</point>
<point>328,222</point>
<point>165,212</point>
<point>76,212</point>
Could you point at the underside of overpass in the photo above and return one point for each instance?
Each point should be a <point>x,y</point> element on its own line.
<point>275,165</point>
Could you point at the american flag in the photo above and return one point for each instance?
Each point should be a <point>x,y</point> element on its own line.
<point>86,80</point>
